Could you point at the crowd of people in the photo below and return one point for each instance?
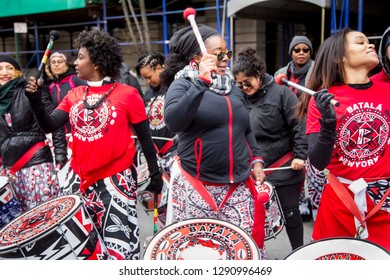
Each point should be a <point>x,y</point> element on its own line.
<point>213,131</point>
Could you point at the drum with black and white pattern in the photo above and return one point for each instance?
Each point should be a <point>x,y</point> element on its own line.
<point>57,229</point>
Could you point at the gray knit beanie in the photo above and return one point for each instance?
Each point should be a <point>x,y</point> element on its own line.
<point>300,40</point>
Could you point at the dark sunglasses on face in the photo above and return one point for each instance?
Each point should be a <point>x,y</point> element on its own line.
<point>305,50</point>
<point>247,83</point>
<point>221,55</point>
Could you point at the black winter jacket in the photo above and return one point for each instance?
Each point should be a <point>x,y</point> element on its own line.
<point>15,141</point>
<point>277,130</point>
<point>59,88</point>
<point>216,143</point>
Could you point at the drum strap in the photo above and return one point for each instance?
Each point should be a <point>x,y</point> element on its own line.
<point>200,188</point>
<point>280,162</point>
<point>346,198</point>
<point>164,149</point>
<point>26,157</point>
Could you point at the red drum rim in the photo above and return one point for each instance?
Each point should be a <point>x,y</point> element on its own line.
<point>38,222</point>
<point>3,181</point>
<point>194,238</point>
<point>347,248</point>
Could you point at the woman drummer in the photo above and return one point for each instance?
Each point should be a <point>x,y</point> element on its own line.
<point>24,152</point>
<point>280,136</point>
<point>216,146</point>
<point>351,141</point>
<point>103,115</point>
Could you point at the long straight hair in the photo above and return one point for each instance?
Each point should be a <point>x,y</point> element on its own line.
<point>328,68</point>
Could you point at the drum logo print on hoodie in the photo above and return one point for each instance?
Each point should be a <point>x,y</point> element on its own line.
<point>90,124</point>
<point>363,135</point>
<point>155,112</point>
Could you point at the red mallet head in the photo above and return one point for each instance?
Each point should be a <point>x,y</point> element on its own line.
<point>281,79</point>
<point>263,197</point>
<point>188,12</point>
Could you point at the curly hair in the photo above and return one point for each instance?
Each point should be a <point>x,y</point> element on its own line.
<point>249,64</point>
<point>173,64</point>
<point>103,50</point>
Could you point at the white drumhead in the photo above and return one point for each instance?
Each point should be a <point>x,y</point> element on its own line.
<point>340,249</point>
<point>3,181</point>
<point>38,222</point>
<point>265,187</point>
<point>202,239</point>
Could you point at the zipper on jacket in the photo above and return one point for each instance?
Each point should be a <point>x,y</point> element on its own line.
<point>231,177</point>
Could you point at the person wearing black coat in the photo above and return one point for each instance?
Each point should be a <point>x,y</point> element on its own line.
<point>125,77</point>
<point>278,134</point>
<point>19,133</point>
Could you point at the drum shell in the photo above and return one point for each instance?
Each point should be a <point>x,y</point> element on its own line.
<point>212,237</point>
<point>274,218</point>
<point>74,237</point>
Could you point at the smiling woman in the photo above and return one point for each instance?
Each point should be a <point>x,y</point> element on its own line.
<point>216,149</point>
<point>279,135</point>
<point>338,135</point>
<point>103,115</point>
<point>24,153</point>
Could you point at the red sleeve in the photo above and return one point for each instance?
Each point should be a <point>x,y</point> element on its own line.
<point>64,104</point>
<point>312,123</point>
<point>136,111</point>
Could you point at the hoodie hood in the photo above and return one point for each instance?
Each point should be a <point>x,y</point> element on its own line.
<point>385,42</point>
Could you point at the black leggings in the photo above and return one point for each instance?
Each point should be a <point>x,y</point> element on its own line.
<point>289,200</point>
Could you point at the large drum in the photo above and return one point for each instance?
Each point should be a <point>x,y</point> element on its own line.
<point>9,205</point>
<point>57,229</point>
<point>274,218</point>
<point>340,249</point>
<point>202,239</point>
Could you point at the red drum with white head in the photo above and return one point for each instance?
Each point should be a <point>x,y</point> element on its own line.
<point>202,239</point>
<point>274,218</point>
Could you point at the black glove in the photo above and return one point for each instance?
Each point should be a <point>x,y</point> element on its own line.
<point>156,183</point>
<point>323,98</point>
<point>61,160</point>
<point>35,100</point>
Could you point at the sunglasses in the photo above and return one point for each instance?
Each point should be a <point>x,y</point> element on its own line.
<point>247,83</point>
<point>60,61</point>
<point>220,56</point>
<point>305,50</point>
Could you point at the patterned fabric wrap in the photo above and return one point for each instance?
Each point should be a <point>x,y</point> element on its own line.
<point>188,203</point>
<point>111,203</point>
<point>31,183</point>
<point>315,180</point>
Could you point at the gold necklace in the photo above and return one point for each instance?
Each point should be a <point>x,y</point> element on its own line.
<point>99,102</point>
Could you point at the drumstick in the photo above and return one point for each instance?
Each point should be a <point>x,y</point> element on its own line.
<point>155,213</point>
<point>277,168</point>
<point>53,35</point>
<point>282,79</point>
<point>190,14</point>
<point>46,191</point>
<point>157,138</point>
